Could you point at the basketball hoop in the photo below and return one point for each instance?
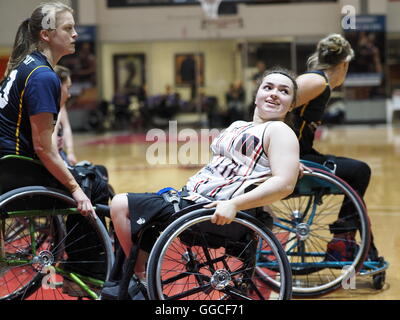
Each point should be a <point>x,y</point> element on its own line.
<point>210,8</point>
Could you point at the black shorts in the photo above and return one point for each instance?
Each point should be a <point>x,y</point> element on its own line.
<point>147,207</point>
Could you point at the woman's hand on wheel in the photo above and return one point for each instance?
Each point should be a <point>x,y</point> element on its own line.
<point>302,169</point>
<point>83,203</point>
<point>225,212</point>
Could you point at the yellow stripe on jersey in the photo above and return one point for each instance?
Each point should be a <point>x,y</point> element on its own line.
<point>21,99</point>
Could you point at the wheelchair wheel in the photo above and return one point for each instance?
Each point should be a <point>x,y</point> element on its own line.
<point>43,248</point>
<point>322,255</point>
<point>194,259</point>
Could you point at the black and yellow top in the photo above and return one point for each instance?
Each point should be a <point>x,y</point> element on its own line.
<point>30,89</point>
<point>308,117</point>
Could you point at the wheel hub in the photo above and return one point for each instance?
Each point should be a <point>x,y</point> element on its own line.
<point>220,279</point>
<point>303,231</point>
<point>44,259</point>
<point>188,257</point>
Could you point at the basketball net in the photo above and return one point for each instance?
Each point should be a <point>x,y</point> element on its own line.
<point>210,8</point>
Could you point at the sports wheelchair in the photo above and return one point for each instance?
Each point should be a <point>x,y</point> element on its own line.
<point>194,259</point>
<point>39,234</point>
<point>309,223</point>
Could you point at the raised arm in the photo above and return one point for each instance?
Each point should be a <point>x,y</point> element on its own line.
<point>310,86</point>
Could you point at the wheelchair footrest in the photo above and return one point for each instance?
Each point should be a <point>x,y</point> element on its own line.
<point>136,291</point>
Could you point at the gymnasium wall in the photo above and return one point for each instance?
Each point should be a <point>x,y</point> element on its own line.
<point>219,64</point>
<point>13,12</point>
<point>161,32</point>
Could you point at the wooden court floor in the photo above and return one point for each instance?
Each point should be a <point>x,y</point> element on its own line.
<point>379,146</point>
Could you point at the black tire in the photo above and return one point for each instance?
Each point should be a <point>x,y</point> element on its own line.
<point>40,213</point>
<point>220,266</point>
<point>378,280</point>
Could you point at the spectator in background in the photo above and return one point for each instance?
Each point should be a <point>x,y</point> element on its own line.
<point>169,103</point>
<point>235,99</point>
<point>121,102</point>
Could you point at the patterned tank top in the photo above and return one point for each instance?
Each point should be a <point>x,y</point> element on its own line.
<point>238,162</point>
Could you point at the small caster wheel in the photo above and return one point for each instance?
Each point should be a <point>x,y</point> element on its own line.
<point>378,280</point>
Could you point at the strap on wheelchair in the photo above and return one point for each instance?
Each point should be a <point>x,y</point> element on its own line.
<point>331,165</point>
<point>171,196</point>
<point>86,172</point>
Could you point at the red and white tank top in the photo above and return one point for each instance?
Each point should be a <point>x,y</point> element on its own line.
<point>238,161</point>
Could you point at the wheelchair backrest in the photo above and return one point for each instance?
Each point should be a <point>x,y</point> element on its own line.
<point>312,184</point>
<point>312,164</point>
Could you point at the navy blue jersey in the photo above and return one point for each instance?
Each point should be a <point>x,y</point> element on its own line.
<point>308,117</point>
<point>30,89</point>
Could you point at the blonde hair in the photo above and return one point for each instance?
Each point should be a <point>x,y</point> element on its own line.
<point>44,17</point>
<point>331,51</point>
<point>62,72</point>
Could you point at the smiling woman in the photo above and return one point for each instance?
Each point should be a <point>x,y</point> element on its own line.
<point>253,164</point>
<point>275,97</point>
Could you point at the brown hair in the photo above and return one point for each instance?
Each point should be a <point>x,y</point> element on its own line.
<point>331,50</point>
<point>44,17</point>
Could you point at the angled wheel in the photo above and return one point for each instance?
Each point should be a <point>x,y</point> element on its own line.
<point>306,223</point>
<point>194,259</point>
<point>42,249</point>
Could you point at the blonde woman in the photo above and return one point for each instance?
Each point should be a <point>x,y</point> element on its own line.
<point>29,106</point>
<point>327,70</point>
<point>31,92</point>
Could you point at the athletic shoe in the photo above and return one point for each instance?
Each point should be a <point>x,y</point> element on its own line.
<point>343,247</point>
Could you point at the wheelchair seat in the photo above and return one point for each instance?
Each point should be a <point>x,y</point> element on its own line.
<point>18,171</point>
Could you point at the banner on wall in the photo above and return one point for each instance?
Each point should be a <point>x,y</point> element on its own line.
<point>367,68</point>
<point>82,64</point>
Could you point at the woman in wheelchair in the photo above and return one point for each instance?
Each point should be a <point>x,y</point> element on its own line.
<point>264,152</point>
<point>29,106</point>
<point>327,69</point>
